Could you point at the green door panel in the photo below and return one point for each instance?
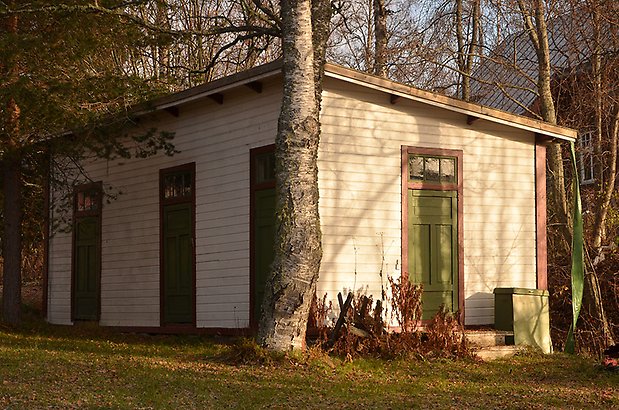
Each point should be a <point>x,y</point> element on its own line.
<point>432,247</point>
<point>434,208</point>
<point>433,300</point>
<point>87,266</point>
<point>178,264</point>
<point>264,236</point>
<point>445,261</point>
<point>419,252</point>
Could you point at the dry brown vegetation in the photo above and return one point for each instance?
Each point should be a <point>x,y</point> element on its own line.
<point>364,328</point>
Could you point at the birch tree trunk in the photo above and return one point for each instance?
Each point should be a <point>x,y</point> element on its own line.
<point>298,250</point>
<point>539,36</point>
<point>464,87</point>
<point>535,23</point>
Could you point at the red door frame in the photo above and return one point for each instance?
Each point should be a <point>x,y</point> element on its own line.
<point>407,184</point>
<point>191,167</point>
<point>253,187</point>
<point>77,214</point>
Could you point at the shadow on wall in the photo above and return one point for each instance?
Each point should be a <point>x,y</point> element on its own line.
<point>360,188</point>
<point>482,303</point>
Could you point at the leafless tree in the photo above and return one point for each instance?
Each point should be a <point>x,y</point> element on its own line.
<point>467,50</point>
<point>190,42</point>
<point>587,93</point>
<point>561,67</point>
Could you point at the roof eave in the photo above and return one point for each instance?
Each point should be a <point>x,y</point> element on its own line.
<point>449,103</point>
<point>378,83</point>
<point>218,86</point>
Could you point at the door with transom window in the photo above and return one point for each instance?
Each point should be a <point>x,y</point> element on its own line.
<point>432,223</point>
<point>263,221</point>
<point>86,262</point>
<point>177,245</point>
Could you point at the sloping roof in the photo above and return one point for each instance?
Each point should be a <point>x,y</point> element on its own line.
<point>472,110</point>
<point>507,79</point>
<point>218,86</point>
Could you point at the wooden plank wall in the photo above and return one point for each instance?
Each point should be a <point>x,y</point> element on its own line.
<point>218,138</point>
<point>360,190</point>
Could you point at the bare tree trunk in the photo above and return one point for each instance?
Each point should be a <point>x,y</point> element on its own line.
<point>558,216</point>
<point>466,53</point>
<point>298,249</point>
<point>321,22</point>
<point>608,188</point>
<point>11,240</point>
<point>380,38</point>
<point>535,25</point>
<point>605,192</point>
<point>460,40</point>
<point>473,48</point>
<point>604,186</point>
<point>596,303</point>
<point>12,202</point>
<point>163,50</point>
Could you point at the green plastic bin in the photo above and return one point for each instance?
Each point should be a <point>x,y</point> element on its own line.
<point>526,313</point>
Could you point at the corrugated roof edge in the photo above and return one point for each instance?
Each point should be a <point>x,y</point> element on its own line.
<point>366,80</point>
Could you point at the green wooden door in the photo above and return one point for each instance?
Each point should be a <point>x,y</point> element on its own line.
<point>264,236</point>
<point>87,266</point>
<point>178,264</point>
<point>432,247</point>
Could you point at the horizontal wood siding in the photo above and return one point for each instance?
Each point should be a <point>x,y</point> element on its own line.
<point>360,188</point>
<point>59,277</point>
<point>360,191</point>
<point>218,138</point>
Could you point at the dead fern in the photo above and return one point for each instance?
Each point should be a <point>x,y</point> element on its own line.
<point>365,332</point>
<point>445,335</point>
<point>406,303</point>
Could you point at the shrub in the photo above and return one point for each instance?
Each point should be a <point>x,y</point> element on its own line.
<point>365,332</point>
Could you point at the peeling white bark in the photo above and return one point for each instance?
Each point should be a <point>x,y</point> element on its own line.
<point>298,250</point>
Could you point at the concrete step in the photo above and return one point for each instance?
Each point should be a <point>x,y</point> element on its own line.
<point>496,352</point>
<point>489,338</point>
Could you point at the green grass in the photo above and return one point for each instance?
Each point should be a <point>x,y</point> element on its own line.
<point>44,366</point>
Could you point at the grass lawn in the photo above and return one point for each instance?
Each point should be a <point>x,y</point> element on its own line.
<point>43,366</point>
